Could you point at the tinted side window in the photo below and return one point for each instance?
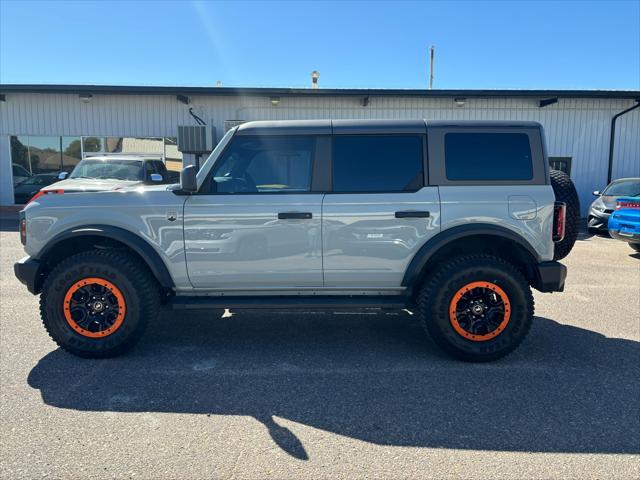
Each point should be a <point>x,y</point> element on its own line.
<point>263,164</point>
<point>380,163</point>
<point>488,156</point>
<point>160,168</point>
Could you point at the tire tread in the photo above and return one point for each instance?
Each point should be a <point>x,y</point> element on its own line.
<point>146,285</point>
<point>440,277</point>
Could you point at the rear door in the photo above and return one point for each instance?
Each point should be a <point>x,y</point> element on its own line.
<point>256,223</point>
<point>380,210</point>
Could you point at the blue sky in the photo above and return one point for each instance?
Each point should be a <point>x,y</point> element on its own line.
<point>479,44</point>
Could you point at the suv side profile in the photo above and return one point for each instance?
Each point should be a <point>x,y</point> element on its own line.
<point>456,220</point>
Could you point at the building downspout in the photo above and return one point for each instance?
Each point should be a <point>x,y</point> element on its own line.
<point>613,136</point>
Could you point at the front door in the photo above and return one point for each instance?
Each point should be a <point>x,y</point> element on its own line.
<point>256,224</point>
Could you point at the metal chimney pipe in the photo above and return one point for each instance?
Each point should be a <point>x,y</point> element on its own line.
<point>431,67</point>
<point>314,78</point>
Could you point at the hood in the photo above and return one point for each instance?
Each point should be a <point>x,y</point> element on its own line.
<point>71,185</point>
<point>606,201</point>
<point>610,201</point>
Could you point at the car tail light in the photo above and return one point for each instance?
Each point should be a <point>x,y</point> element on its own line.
<point>633,204</point>
<point>23,230</point>
<point>559,220</point>
<point>45,192</point>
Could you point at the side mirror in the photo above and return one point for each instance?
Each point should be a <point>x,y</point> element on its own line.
<point>188,181</point>
<point>597,193</point>
<point>155,177</point>
<point>62,175</point>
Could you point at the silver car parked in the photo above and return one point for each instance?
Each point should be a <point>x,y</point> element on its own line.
<point>603,206</point>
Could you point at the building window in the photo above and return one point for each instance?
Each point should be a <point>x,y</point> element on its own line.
<point>172,157</point>
<point>37,161</point>
<point>71,153</point>
<point>46,157</point>
<point>561,163</point>
<point>165,148</point>
<point>92,144</point>
<point>45,154</point>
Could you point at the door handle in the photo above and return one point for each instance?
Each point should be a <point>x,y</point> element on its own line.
<point>294,215</point>
<point>412,214</point>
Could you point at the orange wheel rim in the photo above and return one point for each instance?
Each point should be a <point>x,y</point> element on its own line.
<point>94,307</point>
<point>479,311</point>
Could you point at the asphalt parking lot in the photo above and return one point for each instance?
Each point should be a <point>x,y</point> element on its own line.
<point>317,395</point>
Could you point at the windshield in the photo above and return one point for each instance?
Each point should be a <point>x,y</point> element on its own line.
<point>626,188</point>
<point>108,169</point>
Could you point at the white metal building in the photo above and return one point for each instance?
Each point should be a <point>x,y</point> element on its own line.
<point>47,128</point>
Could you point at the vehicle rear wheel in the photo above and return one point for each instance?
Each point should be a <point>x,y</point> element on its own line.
<point>565,191</point>
<point>635,246</point>
<point>97,304</point>
<point>477,308</point>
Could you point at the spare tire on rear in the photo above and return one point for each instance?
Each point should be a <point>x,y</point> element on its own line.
<point>565,191</point>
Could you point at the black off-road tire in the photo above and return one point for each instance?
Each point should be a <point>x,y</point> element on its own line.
<point>565,191</point>
<point>440,288</point>
<point>137,286</point>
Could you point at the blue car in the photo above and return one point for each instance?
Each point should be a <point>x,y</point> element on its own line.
<point>624,222</point>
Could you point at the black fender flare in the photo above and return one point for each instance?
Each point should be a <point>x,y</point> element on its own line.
<point>430,248</point>
<point>131,240</point>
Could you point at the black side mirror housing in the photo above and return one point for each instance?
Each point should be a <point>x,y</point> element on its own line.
<point>188,181</point>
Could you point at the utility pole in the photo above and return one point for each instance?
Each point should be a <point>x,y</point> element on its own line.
<point>431,67</point>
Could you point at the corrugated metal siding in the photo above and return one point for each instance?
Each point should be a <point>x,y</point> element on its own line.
<point>578,128</point>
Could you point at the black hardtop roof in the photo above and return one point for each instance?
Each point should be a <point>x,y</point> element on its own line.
<point>327,127</point>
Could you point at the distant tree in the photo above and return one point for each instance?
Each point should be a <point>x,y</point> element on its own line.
<point>74,149</point>
<point>19,153</point>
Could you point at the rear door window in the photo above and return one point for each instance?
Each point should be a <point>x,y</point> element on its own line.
<point>380,163</point>
<point>487,156</point>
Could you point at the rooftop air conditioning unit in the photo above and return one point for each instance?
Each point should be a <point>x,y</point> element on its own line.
<point>196,138</point>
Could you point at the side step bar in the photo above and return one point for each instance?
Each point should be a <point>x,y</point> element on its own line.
<point>289,302</point>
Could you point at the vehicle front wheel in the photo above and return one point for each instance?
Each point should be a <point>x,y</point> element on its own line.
<point>96,304</point>
<point>477,308</point>
<point>635,246</point>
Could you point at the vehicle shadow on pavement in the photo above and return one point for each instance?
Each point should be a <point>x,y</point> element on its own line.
<point>372,377</point>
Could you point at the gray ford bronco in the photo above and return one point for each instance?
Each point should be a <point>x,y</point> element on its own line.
<point>455,220</point>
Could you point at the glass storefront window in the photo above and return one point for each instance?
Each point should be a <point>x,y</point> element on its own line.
<point>172,157</point>
<point>92,144</point>
<point>113,144</point>
<point>35,155</point>
<point>36,162</point>
<point>44,154</point>
<point>20,159</point>
<point>47,156</point>
<point>71,153</point>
